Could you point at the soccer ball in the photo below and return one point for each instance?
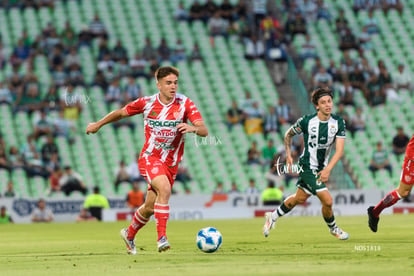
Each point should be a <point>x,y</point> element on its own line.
<point>209,239</point>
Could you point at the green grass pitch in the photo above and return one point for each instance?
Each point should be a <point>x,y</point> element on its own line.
<point>298,246</point>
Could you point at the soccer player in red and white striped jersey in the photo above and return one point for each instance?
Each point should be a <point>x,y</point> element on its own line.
<point>165,117</point>
<point>403,190</point>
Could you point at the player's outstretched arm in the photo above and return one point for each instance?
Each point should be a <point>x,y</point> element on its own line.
<point>109,118</point>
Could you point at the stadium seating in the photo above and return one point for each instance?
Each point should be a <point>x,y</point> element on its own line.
<point>212,85</point>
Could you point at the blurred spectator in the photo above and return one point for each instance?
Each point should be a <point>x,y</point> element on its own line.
<point>42,126</point>
<point>85,37</point>
<point>365,39</point>
<point>138,66</point>
<point>14,158</point>
<point>164,51</point>
<point>219,190</point>
<point>254,48</point>
<point>59,76</point>
<point>309,9</point>
<point>181,14</point>
<point>154,65</point>
<point>33,164</point>
<point>254,119</point>
<point>197,12</point>
<point>119,51</point>
<point>56,58</point>
<point>121,175</point>
<point>100,80</point>
<point>259,10</point>
<point>20,53</point>
<point>9,192</point>
<point>234,189</point>
<point>253,154</point>
<point>371,23</point>
<point>392,4</point>
<point>6,96</point>
<point>5,218</point>
<point>322,78</point>
<point>316,67</point>
<point>51,100</point>
<point>30,101</point>
<point>357,79</point>
<point>399,142</point>
<point>346,93</point>
<point>133,169</point>
<point>4,163</point>
<point>195,53</point>
<point>132,90</point>
<point>70,39</point>
<point>178,52</point>
<point>3,58</point>
<point>341,112</point>
<point>97,28</point>
<point>234,116</point>
<point>402,79</point>
<point>376,94</point>
<point>95,203</point>
<point>334,71</point>
<point>295,24</point>
<point>322,10</point>
<point>358,120</point>
<point>385,80</point>
<point>64,127</point>
<point>42,213</point>
<point>75,75</point>
<point>54,180</point>
<point>72,57</point>
<point>226,10</point>
<point>71,102</point>
<point>71,181</point>
<point>135,197</point>
<point>105,63</point>
<point>348,41</point>
<point>210,8</point>
<point>380,160</point>
<point>114,94</point>
<point>252,189</point>
<point>268,153</point>
<point>272,195</point>
<point>359,5</point>
<point>48,149</point>
<point>271,122</point>
<point>284,113</point>
<point>84,215</point>
<point>308,49</point>
<point>217,26</point>
<point>103,50</point>
<point>341,23</point>
<point>183,175</point>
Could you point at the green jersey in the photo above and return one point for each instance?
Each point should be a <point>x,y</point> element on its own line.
<point>319,137</point>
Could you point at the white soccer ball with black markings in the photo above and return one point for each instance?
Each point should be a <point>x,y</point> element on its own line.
<point>209,239</point>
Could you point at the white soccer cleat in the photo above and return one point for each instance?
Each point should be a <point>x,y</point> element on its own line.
<point>163,244</point>
<point>337,232</point>
<point>130,245</point>
<point>269,224</point>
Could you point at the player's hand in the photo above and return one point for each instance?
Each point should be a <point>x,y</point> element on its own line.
<point>289,162</point>
<point>186,128</point>
<point>323,175</point>
<point>92,128</point>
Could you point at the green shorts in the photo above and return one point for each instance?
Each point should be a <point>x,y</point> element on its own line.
<point>309,183</point>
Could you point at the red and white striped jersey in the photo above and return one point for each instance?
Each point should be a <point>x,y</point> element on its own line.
<point>162,139</point>
<point>409,152</point>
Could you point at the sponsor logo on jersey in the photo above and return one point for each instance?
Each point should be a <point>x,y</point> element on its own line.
<point>313,129</point>
<point>163,123</point>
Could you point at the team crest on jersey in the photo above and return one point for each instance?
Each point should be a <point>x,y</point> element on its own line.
<point>407,178</point>
<point>333,129</point>
<point>154,170</point>
<point>176,115</point>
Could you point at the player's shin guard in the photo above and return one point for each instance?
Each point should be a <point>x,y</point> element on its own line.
<point>138,221</point>
<point>161,214</point>
<point>390,199</point>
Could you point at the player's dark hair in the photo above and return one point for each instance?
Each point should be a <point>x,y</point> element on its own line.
<point>162,72</point>
<point>319,93</point>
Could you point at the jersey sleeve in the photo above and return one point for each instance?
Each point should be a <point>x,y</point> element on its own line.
<point>136,107</point>
<point>192,112</point>
<point>299,126</point>
<point>341,129</point>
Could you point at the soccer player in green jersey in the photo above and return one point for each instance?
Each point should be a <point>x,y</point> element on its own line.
<point>320,132</point>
